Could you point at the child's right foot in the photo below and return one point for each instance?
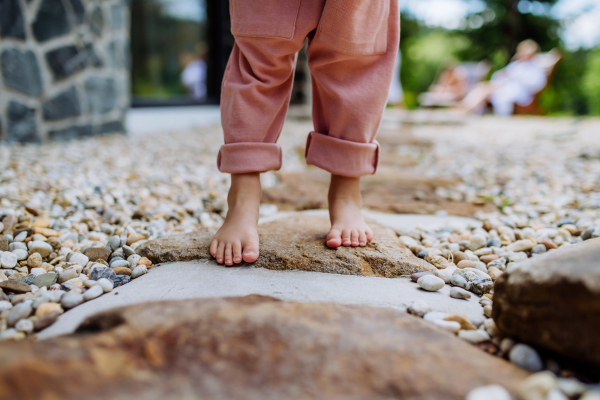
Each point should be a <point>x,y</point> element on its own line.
<point>237,240</point>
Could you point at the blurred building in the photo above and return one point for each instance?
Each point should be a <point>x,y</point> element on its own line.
<point>64,68</point>
<point>72,68</point>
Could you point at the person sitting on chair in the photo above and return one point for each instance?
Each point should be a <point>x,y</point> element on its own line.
<point>517,83</point>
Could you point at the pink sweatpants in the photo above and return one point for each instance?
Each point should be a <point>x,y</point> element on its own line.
<point>352,49</point>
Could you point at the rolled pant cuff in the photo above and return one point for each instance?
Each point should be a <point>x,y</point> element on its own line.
<point>243,158</point>
<point>342,157</point>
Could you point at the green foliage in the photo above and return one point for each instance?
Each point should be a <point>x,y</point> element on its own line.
<point>591,81</point>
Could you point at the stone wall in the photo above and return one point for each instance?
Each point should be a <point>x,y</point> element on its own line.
<point>63,68</point>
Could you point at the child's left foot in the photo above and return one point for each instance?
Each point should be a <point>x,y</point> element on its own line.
<point>348,228</point>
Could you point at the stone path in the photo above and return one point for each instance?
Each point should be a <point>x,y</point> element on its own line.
<point>178,281</point>
<point>198,279</point>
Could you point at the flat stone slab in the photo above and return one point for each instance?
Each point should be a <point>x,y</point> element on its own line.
<point>552,301</point>
<point>253,347</point>
<point>297,242</point>
<point>201,279</point>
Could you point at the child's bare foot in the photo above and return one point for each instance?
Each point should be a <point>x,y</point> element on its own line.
<point>237,240</point>
<point>348,228</point>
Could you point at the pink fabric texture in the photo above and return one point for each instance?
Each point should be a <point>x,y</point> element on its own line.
<point>352,49</point>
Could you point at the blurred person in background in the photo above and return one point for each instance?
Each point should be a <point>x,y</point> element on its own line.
<point>193,75</point>
<point>517,83</point>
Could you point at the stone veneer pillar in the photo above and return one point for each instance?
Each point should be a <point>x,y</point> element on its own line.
<point>64,68</point>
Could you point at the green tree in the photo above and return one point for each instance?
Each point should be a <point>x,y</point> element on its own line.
<point>591,81</point>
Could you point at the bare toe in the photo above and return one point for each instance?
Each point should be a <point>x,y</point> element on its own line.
<point>354,237</point>
<point>228,255</point>
<point>236,249</point>
<point>369,234</point>
<point>362,238</point>
<point>213,247</point>
<point>220,251</point>
<point>250,253</point>
<point>334,238</point>
<point>346,237</point>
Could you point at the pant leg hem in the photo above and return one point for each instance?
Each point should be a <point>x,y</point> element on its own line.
<point>243,158</point>
<point>342,157</point>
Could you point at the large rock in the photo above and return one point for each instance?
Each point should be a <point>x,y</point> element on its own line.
<point>251,348</point>
<point>386,191</point>
<point>553,301</point>
<point>298,242</point>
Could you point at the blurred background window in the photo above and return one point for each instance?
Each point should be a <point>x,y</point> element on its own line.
<point>174,55</point>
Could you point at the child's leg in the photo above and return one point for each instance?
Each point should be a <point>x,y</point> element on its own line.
<point>352,61</point>
<point>348,227</point>
<point>255,96</point>
<point>237,239</point>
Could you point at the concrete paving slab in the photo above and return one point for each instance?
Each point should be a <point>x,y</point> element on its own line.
<point>201,279</point>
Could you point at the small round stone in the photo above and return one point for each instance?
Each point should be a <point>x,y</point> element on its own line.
<point>106,285</point>
<point>487,311</point>
<point>415,277</point>
<point>114,242</point>
<point>145,261</point>
<point>489,258</point>
<point>459,281</point>
<point>18,312</point>
<point>34,260</point>
<point>133,260</point>
<point>71,299</point>
<point>93,292</point>
<point>24,325</point>
<point>12,334</point>
<point>38,246</point>
<point>419,308</point>
<point>119,263</point>
<point>526,357</point>
<point>466,264</point>
<point>5,305</point>
<point>431,283</point>
<point>451,326</point>
<point>46,308</point>
<point>8,260</point>
<point>538,249</point>
<point>491,392</point>
<point>79,258</point>
<point>459,293</point>
<point>474,336</point>
<point>141,270</point>
<point>21,237</point>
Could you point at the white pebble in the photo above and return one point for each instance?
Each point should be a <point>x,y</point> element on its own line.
<point>106,285</point>
<point>79,258</point>
<point>434,315</point>
<point>133,260</point>
<point>93,292</point>
<point>24,325</point>
<point>70,300</point>
<point>451,326</point>
<point>37,246</point>
<point>419,308</point>
<point>430,283</point>
<point>8,260</point>
<point>141,270</point>
<point>474,336</point>
<point>20,237</point>
<point>5,305</point>
<point>491,392</point>
<point>459,293</point>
